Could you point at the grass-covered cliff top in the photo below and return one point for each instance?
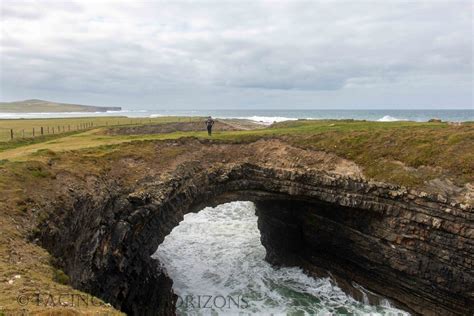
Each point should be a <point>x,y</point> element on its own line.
<point>405,153</point>
<point>402,153</point>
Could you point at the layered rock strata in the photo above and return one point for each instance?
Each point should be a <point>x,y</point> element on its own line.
<point>414,248</point>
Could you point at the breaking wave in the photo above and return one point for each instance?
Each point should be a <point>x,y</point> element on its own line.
<point>216,256</point>
<point>388,118</point>
<point>268,120</point>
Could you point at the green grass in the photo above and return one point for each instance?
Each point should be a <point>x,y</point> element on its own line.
<point>385,151</point>
<point>20,142</point>
<point>60,277</point>
<point>23,128</point>
<point>407,153</point>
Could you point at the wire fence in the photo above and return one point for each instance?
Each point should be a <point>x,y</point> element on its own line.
<point>46,128</point>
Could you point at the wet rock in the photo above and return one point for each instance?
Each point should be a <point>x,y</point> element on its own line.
<point>402,244</point>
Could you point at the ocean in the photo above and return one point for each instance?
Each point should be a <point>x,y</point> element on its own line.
<point>270,116</point>
<point>218,267</point>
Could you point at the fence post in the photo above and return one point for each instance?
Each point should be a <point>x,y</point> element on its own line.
<point>33,132</point>
<point>42,132</point>
<point>53,129</point>
<point>69,128</point>
<point>23,133</point>
<point>11,133</point>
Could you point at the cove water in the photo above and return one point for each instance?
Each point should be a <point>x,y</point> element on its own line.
<point>216,261</point>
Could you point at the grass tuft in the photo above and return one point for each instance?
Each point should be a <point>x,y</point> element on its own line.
<point>60,277</point>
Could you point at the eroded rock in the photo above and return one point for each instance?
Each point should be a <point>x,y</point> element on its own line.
<point>398,242</point>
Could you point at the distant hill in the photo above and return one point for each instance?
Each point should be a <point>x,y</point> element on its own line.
<point>41,106</point>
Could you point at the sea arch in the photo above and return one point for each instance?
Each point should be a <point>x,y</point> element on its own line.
<point>398,243</point>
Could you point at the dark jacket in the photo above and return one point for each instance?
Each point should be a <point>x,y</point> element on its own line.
<point>209,122</point>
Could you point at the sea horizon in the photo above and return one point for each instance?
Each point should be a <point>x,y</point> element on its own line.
<point>268,116</point>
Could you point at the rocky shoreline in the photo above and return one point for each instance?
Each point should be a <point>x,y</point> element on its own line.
<point>412,247</point>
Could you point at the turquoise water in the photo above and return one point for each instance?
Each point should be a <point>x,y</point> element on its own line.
<point>216,261</point>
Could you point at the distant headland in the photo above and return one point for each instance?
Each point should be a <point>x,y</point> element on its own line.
<point>41,106</point>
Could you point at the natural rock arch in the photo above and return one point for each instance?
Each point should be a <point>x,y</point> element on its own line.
<point>404,245</point>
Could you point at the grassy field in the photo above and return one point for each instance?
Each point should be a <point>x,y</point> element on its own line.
<point>23,128</point>
<point>407,153</point>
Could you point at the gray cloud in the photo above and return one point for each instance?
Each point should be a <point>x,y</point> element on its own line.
<point>298,51</point>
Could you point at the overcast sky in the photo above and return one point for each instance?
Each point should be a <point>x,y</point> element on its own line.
<point>239,54</point>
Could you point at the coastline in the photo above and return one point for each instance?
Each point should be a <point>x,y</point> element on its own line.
<point>269,116</point>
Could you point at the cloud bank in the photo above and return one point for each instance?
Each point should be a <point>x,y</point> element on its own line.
<point>239,54</point>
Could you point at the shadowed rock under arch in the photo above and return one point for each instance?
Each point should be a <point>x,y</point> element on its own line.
<point>409,246</point>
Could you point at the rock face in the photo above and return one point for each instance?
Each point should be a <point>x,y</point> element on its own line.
<point>411,247</point>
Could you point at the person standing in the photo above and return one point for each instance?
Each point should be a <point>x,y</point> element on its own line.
<point>209,123</point>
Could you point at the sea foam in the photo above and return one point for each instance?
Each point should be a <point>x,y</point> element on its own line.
<point>268,120</point>
<point>218,252</point>
<point>388,118</point>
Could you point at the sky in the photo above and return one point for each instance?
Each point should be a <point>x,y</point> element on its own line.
<point>389,54</point>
